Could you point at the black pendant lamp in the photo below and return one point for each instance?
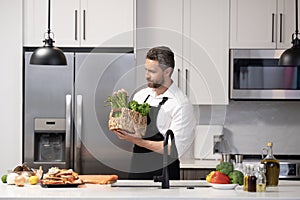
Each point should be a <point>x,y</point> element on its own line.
<point>291,56</point>
<point>48,54</point>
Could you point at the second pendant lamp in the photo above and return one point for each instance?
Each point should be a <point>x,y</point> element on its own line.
<point>291,56</point>
<point>48,54</point>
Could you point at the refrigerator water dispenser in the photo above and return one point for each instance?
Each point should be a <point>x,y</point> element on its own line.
<point>49,140</point>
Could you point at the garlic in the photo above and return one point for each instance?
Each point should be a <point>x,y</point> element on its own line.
<point>11,178</point>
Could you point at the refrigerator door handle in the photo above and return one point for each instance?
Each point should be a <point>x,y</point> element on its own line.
<point>68,129</point>
<point>78,122</point>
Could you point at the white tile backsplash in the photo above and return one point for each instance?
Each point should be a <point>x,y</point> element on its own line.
<point>249,125</point>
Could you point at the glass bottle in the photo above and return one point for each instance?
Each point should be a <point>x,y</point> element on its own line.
<point>239,162</point>
<point>261,179</point>
<point>252,180</point>
<point>272,166</point>
<point>246,175</point>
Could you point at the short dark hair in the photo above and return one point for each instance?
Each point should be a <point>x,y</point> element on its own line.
<point>164,55</point>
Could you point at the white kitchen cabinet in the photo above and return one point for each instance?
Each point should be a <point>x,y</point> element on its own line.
<point>198,33</point>
<point>159,22</point>
<point>206,47</point>
<point>262,23</point>
<point>80,23</point>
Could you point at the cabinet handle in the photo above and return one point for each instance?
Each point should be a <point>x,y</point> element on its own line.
<point>84,24</point>
<point>273,21</point>
<point>280,27</point>
<point>186,81</point>
<point>76,36</point>
<point>178,78</point>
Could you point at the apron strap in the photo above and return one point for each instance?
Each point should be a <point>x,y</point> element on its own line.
<point>160,103</point>
<point>163,101</point>
<point>147,98</point>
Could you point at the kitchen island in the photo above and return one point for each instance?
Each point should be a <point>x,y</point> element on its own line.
<point>285,190</point>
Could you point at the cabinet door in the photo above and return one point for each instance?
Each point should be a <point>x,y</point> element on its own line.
<point>65,24</point>
<point>206,49</point>
<point>107,23</point>
<point>85,23</point>
<point>253,24</point>
<point>286,23</point>
<point>62,22</point>
<point>159,22</point>
<point>35,22</point>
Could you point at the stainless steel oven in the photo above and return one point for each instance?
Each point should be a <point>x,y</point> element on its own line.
<point>255,74</point>
<point>289,170</point>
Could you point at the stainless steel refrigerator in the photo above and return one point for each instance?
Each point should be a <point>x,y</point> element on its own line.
<point>65,114</point>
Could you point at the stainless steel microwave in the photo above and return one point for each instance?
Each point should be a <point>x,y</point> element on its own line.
<point>255,74</point>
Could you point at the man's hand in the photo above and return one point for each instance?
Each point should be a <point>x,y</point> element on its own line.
<point>121,134</point>
<point>156,146</point>
<point>124,135</point>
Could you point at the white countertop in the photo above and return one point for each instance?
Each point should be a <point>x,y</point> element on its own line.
<point>199,164</point>
<point>285,190</point>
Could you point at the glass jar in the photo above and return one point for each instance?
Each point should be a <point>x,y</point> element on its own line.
<point>261,179</point>
<point>252,180</point>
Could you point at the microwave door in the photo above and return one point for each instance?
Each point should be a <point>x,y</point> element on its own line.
<point>255,77</point>
<point>255,74</point>
<point>251,77</point>
<point>243,78</point>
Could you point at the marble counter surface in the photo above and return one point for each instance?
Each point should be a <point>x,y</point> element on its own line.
<point>285,190</point>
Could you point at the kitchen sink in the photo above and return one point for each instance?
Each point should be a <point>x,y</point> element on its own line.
<point>151,183</point>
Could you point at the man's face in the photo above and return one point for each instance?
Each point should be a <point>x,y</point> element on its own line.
<point>154,74</point>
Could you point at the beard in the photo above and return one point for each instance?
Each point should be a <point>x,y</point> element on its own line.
<point>155,84</point>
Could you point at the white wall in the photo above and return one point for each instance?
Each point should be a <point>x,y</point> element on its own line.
<point>10,84</point>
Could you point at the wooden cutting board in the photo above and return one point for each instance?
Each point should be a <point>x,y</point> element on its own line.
<point>99,179</point>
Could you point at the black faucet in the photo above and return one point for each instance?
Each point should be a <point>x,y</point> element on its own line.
<point>164,178</point>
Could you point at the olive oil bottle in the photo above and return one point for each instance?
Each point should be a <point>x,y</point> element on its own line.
<point>272,166</point>
<point>246,176</point>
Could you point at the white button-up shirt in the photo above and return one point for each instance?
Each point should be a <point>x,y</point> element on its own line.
<point>176,114</point>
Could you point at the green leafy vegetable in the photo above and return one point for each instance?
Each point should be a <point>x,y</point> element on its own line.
<point>236,177</point>
<point>119,100</point>
<point>225,167</point>
<point>144,109</point>
<point>133,105</point>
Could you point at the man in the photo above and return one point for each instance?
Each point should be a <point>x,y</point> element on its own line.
<point>170,110</point>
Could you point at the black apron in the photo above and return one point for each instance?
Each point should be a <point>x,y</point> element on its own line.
<point>146,164</point>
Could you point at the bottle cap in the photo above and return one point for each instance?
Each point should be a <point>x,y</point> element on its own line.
<point>261,167</point>
<point>269,144</point>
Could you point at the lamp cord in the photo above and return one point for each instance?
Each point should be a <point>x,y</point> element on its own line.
<point>297,31</point>
<point>48,19</point>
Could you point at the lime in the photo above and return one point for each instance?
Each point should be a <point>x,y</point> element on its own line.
<point>33,180</point>
<point>3,178</point>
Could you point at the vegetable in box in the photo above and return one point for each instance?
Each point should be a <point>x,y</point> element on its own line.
<point>127,115</point>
